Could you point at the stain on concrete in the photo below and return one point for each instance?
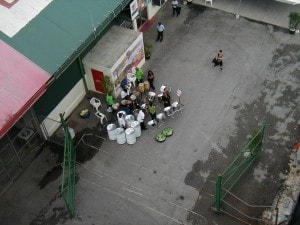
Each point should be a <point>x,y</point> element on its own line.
<point>86,149</point>
<point>194,177</point>
<point>50,176</point>
<point>194,12</point>
<point>51,214</point>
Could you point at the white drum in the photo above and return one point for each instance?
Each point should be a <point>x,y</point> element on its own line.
<point>121,112</point>
<point>121,138</point>
<point>129,119</point>
<point>137,128</point>
<point>111,130</point>
<point>130,136</point>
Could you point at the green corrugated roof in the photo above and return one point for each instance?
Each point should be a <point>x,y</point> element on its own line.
<point>62,29</point>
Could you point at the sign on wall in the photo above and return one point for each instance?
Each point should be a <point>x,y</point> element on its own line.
<point>133,56</point>
<point>134,9</point>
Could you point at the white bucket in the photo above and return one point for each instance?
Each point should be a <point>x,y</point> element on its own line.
<point>130,136</point>
<point>111,130</point>
<point>121,138</point>
<point>137,128</point>
<point>129,119</point>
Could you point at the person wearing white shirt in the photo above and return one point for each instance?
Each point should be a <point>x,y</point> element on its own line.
<point>160,32</point>
<point>141,118</point>
<point>124,93</point>
<point>174,7</point>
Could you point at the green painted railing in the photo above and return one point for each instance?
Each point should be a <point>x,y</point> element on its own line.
<point>69,170</point>
<point>237,168</point>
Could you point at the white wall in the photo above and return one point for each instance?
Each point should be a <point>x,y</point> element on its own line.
<point>89,77</point>
<point>67,105</point>
<point>109,71</point>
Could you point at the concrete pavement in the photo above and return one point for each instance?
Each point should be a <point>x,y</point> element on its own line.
<point>267,11</point>
<point>169,183</point>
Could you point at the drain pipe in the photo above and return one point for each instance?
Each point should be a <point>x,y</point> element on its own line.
<point>82,75</point>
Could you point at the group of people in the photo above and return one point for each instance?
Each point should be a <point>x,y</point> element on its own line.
<point>139,73</point>
<point>150,108</point>
<point>132,104</point>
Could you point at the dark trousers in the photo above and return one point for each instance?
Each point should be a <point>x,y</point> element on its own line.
<point>160,36</point>
<point>220,63</point>
<point>176,10</point>
<point>151,84</point>
<point>153,116</point>
<point>143,126</point>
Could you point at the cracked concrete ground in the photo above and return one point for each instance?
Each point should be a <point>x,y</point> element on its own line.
<point>170,182</point>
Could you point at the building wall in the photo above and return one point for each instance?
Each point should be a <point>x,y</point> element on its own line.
<point>152,9</point>
<point>52,122</point>
<point>67,91</point>
<point>122,64</point>
<point>58,90</point>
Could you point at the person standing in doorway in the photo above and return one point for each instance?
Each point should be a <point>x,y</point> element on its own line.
<point>218,60</point>
<point>160,32</point>
<point>151,79</point>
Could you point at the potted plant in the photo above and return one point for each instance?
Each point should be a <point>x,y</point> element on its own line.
<point>294,21</point>
<point>147,49</point>
<point>108,85</point>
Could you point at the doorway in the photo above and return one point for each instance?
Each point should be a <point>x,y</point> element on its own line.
<point>98,78</point>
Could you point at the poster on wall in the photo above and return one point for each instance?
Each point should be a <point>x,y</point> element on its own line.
<point>130,60</point>
<point>134,9</point>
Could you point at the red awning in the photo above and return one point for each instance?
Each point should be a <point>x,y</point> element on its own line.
<point>21,83</point>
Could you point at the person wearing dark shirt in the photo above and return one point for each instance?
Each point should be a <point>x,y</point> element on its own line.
<point>166,99</point>
<point>151,79</point>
